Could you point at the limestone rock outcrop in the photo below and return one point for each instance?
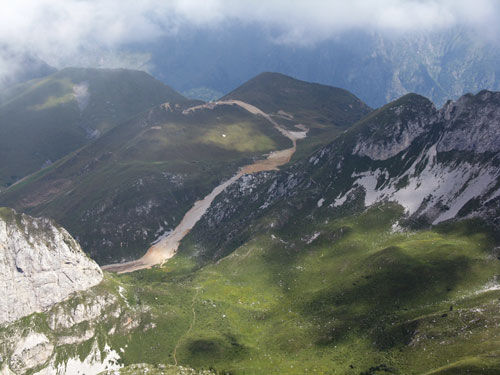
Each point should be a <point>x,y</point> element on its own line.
<point>40,265</point>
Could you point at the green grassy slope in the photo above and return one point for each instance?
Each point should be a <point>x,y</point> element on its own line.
<point>325,110</point>
<point>287,285</point>
<point>43,120</point>
<point>310,102</point>
<point>357,299</point>
<point>134,183</point>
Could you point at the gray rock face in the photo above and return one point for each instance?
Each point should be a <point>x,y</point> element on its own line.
<point>40,265</point>
<point>393,129</point>
<point>31,351</point>
<point>401,137</point>
<point>472,124</point>
<point>439,165</point>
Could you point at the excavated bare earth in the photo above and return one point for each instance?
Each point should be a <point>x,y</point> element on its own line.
<point>166,247</point>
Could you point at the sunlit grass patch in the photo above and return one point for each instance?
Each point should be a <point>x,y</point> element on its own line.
<point>238,136</point>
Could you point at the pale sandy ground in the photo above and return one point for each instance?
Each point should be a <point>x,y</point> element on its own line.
<point>166,247</point>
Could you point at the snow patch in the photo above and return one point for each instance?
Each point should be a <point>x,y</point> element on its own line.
<point>475,188</point>
<point>369,181</point>
<point>320,202</point>
<point>449,186</point>
<point>339,201</point>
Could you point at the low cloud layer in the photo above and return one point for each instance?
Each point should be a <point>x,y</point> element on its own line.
<point>63,31</point>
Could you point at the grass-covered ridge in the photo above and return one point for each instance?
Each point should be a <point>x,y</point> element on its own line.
<point>326,111</point>
<point>353,295</point>
<point>346,296</point>
<point>45,119</point>
<point>311,103</point>
<point>134,183</point>
<point>137,180</point>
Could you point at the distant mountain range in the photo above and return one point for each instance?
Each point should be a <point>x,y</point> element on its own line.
<point>377,68</point>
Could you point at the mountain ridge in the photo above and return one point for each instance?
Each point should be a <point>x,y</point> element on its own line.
<point>273,92</point>
<point>45,119</point>
<point>432,174</point>
<point>154,158</point>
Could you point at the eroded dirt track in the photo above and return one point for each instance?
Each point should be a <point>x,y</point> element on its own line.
<point>166,247</point>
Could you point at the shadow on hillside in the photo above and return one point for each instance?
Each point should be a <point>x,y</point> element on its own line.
<point>394,283</point>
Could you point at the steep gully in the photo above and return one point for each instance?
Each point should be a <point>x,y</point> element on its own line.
<point>166,247</point>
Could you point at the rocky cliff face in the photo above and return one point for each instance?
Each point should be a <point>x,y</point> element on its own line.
<point>392,129</point>
<point>472,123</point>
<point>40,265</point>
<point>438,164</point>
<point>71,337</point>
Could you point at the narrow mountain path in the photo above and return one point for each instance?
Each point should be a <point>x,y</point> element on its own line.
<point>293,136</point>
<point>166,247</point>
<point>193,321</point>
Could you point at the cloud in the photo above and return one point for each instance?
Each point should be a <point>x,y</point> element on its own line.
<point>61,32</point>
<point>307,22</point>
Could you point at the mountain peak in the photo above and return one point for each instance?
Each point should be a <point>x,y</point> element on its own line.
<point>472,123</point>
<point>273,77</point>
<point>392,128</point>
<point>276,93</point>
<point>411,99</point>
<point>68,109</point>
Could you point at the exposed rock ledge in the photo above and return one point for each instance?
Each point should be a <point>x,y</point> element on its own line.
<point>40,265</point>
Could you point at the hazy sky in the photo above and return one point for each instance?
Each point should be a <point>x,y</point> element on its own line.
<point>60,30</point>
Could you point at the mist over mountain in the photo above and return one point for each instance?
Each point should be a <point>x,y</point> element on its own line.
<point>439,49</point>
<point>20,67</point>
<point>376,66</point>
